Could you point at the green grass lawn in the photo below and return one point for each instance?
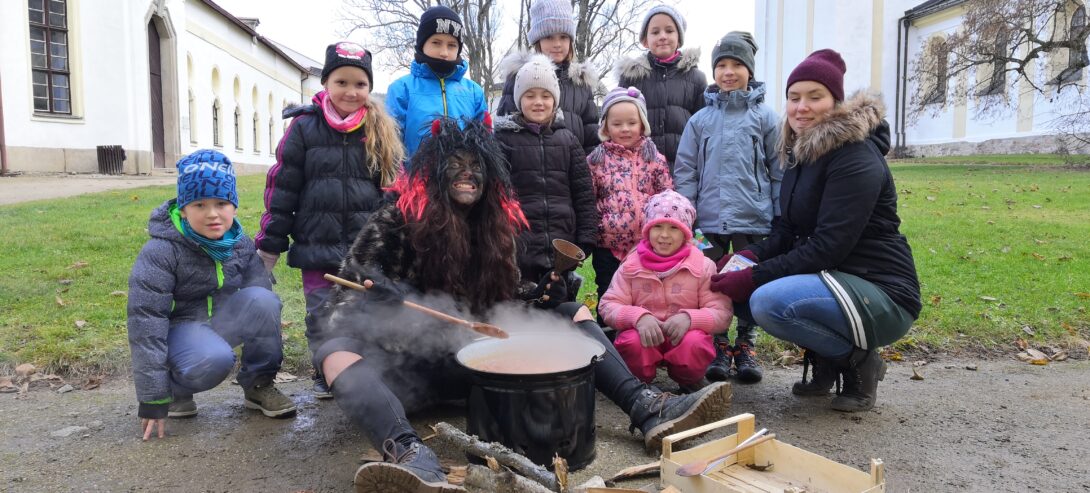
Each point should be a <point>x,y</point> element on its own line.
<point>1001,252</point>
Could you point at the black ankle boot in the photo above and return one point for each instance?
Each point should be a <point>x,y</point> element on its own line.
<point>408,465</point>
<point>658,413</point>
<point>861,371</point>
<point>719,369</point>
<point>823,375</point>
<point>747,369</point>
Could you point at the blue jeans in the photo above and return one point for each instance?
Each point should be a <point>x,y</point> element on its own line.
<point>802,310</point>
<point>200,356</point>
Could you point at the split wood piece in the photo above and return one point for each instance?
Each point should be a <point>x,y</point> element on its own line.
<point>479,327</point>
<point>637,471</point>
<point>481,478</point>
<point>500,453</point>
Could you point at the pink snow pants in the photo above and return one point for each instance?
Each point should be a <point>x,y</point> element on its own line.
<point>685,363</point>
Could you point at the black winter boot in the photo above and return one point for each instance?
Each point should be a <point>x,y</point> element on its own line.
<point>719,369</point>
<point>823,375</point>
<point>861,371</point>
<point>658,413</point>
<point>410,466</point>
<point>747,369</point>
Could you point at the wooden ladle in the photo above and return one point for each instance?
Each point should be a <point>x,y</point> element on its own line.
<point>702,466</point>
<point>479,327</point>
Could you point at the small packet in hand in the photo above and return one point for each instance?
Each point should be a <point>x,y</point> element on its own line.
<point>700,241</point>
<point>737,262</point>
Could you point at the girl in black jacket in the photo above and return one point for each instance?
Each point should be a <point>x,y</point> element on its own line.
<point>552,33</point>
<point>667,77</point>
<point>836,276</point>
<point>331,165</point>
<point>549,171</point>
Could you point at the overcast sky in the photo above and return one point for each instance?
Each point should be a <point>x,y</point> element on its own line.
<point>309,29</point>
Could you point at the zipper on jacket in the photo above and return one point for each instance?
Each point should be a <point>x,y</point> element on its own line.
<point>755,175</point>
<point>544,189</point>
<point>706,139</point>
<point>344,189</point>
<point>219,286</point>
<point>443,87</point>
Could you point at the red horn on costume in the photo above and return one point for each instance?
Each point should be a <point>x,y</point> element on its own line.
<point>435,127</point>
<point>488,121</point>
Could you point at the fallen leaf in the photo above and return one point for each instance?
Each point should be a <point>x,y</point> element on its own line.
<point>1035,354</point>
<point>81,324</point>
<point>1021,343</point>
<point>1028,330</point>
<point>78,265</point>
<point>7,386</point>
<point>1059,356</point>
<point>25,370</point>
<point>1039,242</point>
<point>492,463</point>
<point>1085,296</point>
<point>916,374</point>
<point>989,298</point>
<point>1070,330</point>
<point>283,376</point>
<point>1039,362</point>
<point>59,301</point>
<point>285,324</point>
<point>1005,249</point>
<point>891,355</point>
<point>1036,207</point>
<point>135,198</point>
<point>1037,256</point>
<point>92,383</point>
<point>936,300</point>
<point>931,198</point>
<point>1064,258</point>
<point>118,293</point>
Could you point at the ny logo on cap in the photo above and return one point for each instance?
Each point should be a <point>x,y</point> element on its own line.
<point>446,26</point>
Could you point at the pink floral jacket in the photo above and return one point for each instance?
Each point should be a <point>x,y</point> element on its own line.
<point>623,181</point>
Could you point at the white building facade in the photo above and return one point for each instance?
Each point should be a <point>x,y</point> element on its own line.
<point>161,78</point>
<point>879,40</point>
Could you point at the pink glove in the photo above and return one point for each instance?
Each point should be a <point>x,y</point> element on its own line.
<point>676,326</point>
<point>269,259</point>
<point>650,331</point>
<point>737,285</point>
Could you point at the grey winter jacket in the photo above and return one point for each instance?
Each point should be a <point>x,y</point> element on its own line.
<point>173,281</point>
<point>727,164</point>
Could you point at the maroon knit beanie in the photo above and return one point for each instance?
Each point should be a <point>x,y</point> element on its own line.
<point>824,67</point>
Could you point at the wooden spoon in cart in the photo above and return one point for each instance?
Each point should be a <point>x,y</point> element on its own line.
<point>479,327</point>
<point>701,466</point>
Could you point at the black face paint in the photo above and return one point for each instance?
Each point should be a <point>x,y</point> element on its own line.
<point>465,177</point>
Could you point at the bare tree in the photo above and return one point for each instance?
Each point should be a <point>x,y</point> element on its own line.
<point>1000,46</point>
<point>389,27</point>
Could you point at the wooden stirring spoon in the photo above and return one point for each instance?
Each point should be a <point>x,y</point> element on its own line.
<point>479,327</point>
<point>701,466</point>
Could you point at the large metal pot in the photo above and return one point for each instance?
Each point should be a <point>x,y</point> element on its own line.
<point>534,393</point>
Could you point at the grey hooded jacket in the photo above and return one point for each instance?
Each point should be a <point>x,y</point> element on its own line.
<point>173,281</point>
<point>727,164</point>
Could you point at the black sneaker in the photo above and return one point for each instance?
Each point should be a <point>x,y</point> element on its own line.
<point>719,369</point>
<point>182,407</point>
<point>321,389</point>
<point>413,468</point>
<point>748,370</point>
<point>658,414</point>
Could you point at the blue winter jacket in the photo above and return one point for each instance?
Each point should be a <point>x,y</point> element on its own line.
<point>727,164</point>
<point>173,281</point>
<point>417,99</point>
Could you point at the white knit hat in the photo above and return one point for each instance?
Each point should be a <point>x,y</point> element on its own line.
<point>679,21</point>
<point>539,72</point>
<point>549,17</point>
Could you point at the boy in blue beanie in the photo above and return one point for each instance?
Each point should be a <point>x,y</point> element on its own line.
<point>198,289</point>
<point>437,85</point>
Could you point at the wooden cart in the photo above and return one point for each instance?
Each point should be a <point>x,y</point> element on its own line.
<point>793,469</point>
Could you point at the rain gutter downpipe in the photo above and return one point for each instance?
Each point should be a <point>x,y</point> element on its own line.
<point>3,139</point>
<point>902,81</point>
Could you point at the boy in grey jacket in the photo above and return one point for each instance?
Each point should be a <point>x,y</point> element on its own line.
<point>198,289</point>
<point>728,168</point>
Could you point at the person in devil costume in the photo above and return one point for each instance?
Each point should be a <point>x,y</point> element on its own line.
<point>450,229</point>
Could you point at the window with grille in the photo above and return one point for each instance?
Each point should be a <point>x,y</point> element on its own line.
<point>255,133</point>
<point>52,80</point>
<point>216,124</point>
<point>1078,57</point>
<point>238,128</point>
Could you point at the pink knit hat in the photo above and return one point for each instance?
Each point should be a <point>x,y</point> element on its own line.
<point>671,207</point>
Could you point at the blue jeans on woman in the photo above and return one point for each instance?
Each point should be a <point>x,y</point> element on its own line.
<point>802,310</point>
<point>199,354</point>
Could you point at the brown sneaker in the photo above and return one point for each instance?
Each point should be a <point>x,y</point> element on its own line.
<point>270,401</point>
<point>410,469</point>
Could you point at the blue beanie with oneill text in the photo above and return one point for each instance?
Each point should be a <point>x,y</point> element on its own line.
<point>206,174</point>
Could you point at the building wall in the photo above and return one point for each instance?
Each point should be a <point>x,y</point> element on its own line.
<point>111,96</point>
<point>866,35</point>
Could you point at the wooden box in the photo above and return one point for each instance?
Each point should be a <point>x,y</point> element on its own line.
<point>793,470</point>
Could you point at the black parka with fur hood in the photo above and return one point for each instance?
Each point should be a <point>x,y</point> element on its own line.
<point>674,92</point>
<point>838,207</point>
<point>577,86</point>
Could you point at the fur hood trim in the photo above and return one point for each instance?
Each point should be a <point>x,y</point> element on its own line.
<point>853,121</point>
<point>580,73</point>
<point>639,67</point>
<point>509,123</point>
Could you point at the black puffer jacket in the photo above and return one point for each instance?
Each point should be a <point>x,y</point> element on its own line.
<point>839,207</point>
<point>577,85</point>
<point>553,183</point>
<point>674,92</point>
<point>319,192</point>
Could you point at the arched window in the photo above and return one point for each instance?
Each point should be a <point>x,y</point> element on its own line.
<point>256,143</point>
<point>238,128</point>
<point>1078,57</point>
<point>216,124</point>
<point>997,84</point>
<point>934,89</point>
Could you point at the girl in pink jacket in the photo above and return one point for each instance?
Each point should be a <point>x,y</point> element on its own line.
<point>660,299</point>
<point>627,170</point>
